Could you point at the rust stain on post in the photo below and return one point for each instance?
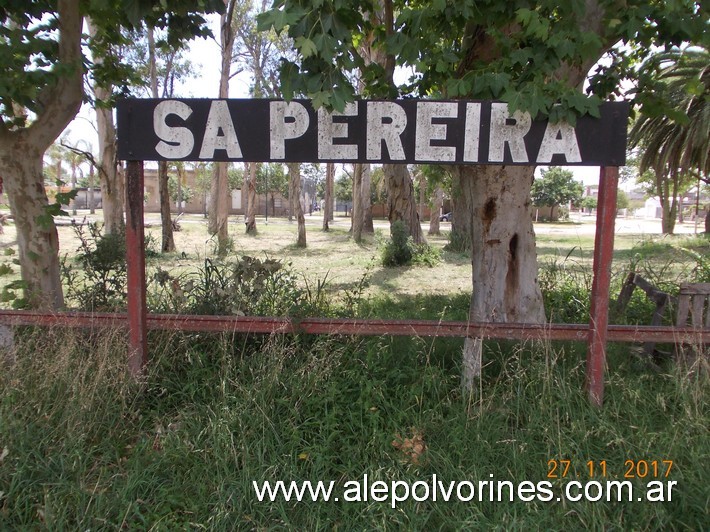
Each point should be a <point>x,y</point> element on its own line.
<point>135,262</point>
<point>603,252</point>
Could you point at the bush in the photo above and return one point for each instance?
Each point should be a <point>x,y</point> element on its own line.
<point>247,286</point>
<point>398,251</point>
<point>100,282</point>
<point>401,250</point>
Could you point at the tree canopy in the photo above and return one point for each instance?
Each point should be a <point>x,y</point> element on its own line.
<point>522,52</point>
<point>556,187</point>
<point>676,140</point>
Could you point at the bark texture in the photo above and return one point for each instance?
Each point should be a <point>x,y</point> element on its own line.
<point>250,219</point>
<point>294,176</point>
<point>434,222</point>
<point>504,264</point>
<point>21,166</point>
<point>37,240</point>
<point>217,222</point>
<point>328,200</point>
<point>168,240</point>
<point>113,188</point>
<point>401,202</point>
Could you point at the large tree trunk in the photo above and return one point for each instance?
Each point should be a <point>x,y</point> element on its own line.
<point>168,244</point>
<point>434,222</point>
<point>251,200</point>
<point>112,184</point>
<point>37,239</point>
<point>294,176</point>
<point>21,154</point>
<point>504,265</point>
<point>400,200</point>
<point>328,201</point>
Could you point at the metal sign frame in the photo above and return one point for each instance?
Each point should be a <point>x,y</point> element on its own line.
<point>441,132</point>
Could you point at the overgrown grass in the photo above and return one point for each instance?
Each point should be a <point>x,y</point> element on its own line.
<point>84,447</point>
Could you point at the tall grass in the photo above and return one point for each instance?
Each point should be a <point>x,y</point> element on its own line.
<point>84,447</point>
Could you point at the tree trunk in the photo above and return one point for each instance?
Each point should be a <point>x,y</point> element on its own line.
<point>251,200</point>
<point>245,191</point>
<point>400,200</point>
<point>113,188</point>
<point>219,207</point>
<point>365,200</point>
<point>37,239</point>
<point>73,186</point>
<point>92,205</point>
<point>166,221</point>
<point>291,202</point>
<point>504,267</point>
<point>112,184</point>
<point>168,244</point>
<point>434,222</point>
<point>462,221</point>
<point>21,160</point>
<point>422,195</point>
<point>328,201</point>
<point>356,213</point>
<point>219,190</point>
<point>667,197</point>
<point>294,176</point>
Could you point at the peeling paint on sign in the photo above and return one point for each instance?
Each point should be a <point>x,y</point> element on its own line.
<point>401,131</point>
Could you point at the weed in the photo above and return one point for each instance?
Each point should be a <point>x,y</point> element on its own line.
<point>99,284</point>
<point>400,249</point>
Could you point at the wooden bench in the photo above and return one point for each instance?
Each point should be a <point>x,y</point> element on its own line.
<point>692,310</point>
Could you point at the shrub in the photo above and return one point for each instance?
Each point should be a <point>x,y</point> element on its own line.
<point>100,282</point>
<point>400,249</point>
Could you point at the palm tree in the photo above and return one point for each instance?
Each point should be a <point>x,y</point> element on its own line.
<point>675,132</point>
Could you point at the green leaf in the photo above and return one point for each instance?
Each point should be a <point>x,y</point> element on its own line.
<point>321,99</point>
<point>7,295</point>
<point>306,46</point>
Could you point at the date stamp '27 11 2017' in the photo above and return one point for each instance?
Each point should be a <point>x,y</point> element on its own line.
<point>560,468</point>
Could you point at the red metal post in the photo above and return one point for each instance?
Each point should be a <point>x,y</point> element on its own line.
<point>603,252</point>
<point>135,262</point>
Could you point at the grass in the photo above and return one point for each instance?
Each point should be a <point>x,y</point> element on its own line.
<point>84,447</point>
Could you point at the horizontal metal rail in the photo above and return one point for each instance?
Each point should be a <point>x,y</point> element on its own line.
<point>360,327</point>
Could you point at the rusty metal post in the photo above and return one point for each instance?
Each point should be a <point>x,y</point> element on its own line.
<point>135,262</point>
<point>599,315</point>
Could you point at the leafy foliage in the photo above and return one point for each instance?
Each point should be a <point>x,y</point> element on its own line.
<point>29,49</point>
<point>100,282</point>
<point>401,250</point>
<point>556,187</point>
<point>248,286</point>
<point>525,48</point>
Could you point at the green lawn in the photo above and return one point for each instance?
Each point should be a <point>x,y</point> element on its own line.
<point>83,447</point>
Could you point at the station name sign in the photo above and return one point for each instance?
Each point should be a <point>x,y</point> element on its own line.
<point>368,131</point>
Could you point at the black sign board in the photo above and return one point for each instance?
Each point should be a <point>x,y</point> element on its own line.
<point>397,131</point>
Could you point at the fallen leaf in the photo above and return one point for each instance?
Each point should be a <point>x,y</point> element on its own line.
<point>413,447</point>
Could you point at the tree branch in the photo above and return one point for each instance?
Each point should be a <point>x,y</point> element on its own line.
<point>63,98</point>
